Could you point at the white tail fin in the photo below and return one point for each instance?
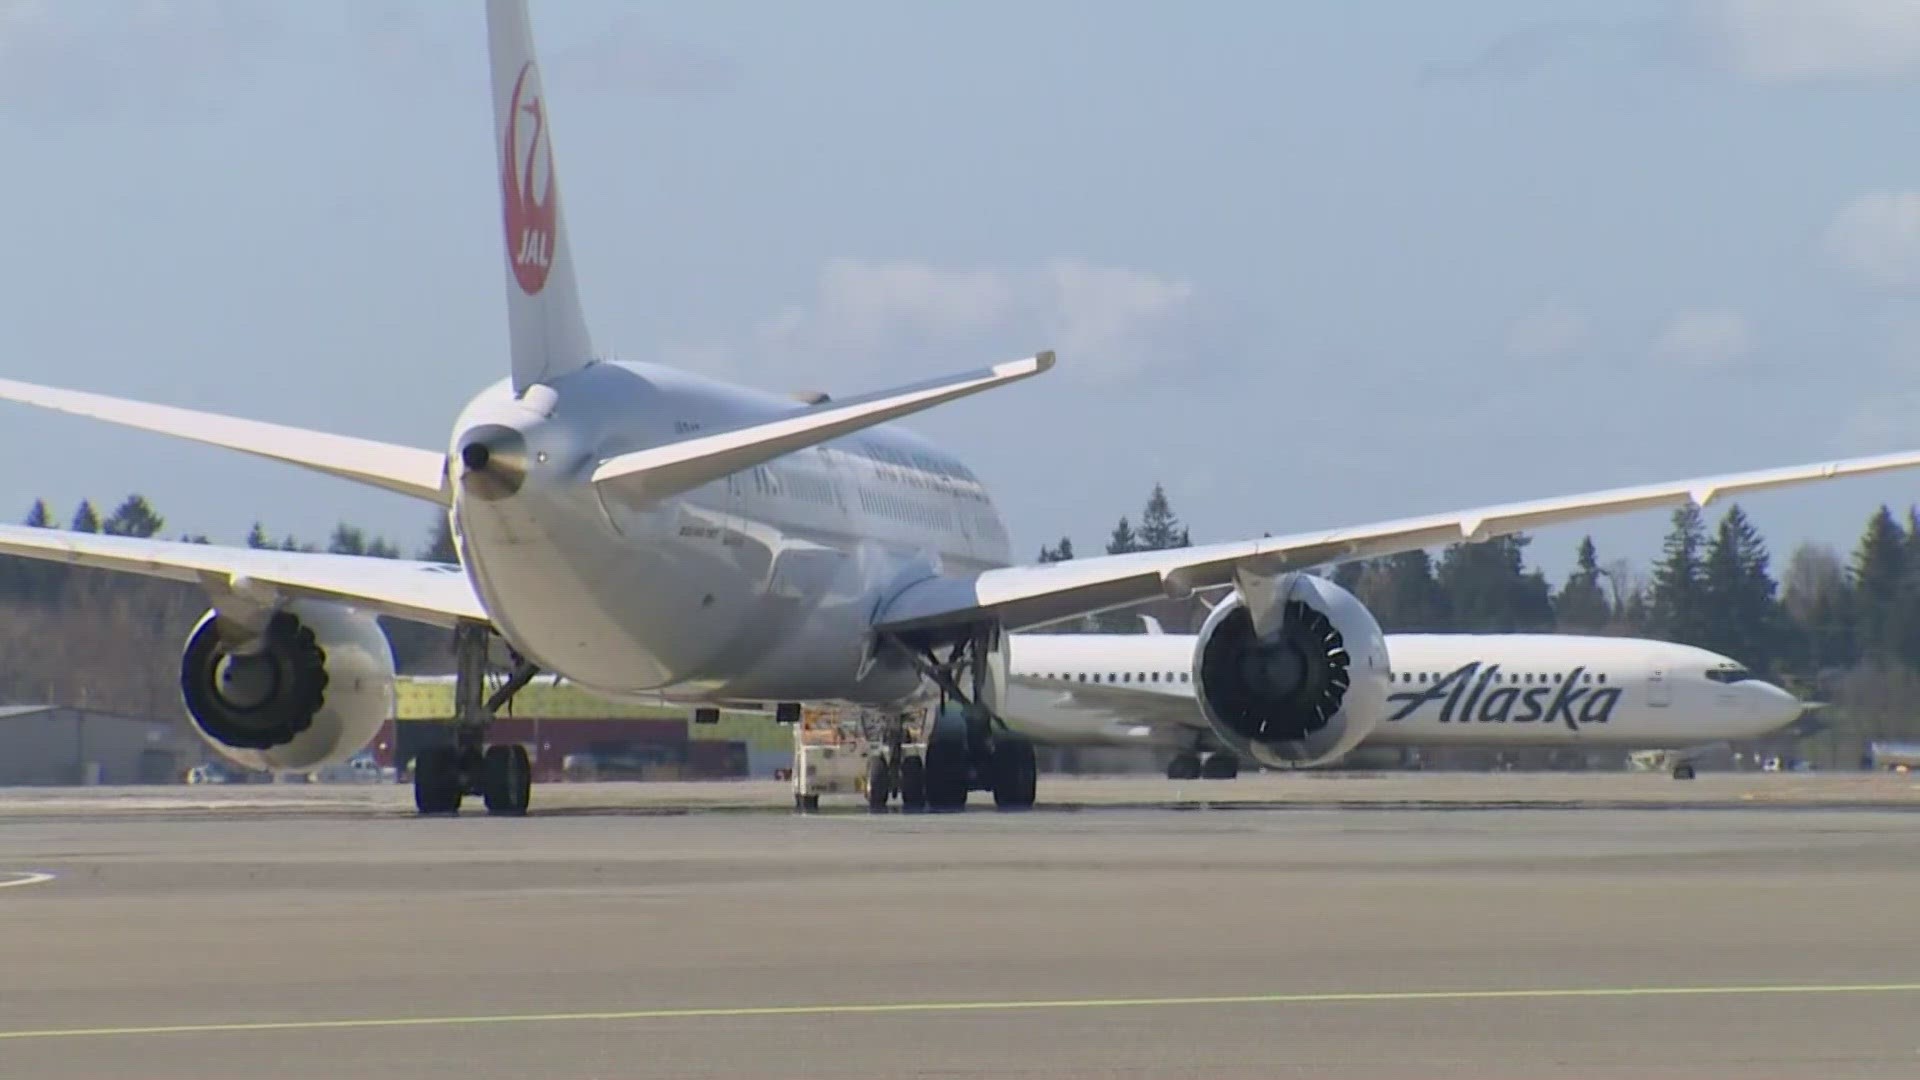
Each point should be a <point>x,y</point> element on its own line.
<point>543,305</point>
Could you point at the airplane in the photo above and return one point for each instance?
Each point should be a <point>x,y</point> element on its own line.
<point>642,530</point>
<point>1475,690</point>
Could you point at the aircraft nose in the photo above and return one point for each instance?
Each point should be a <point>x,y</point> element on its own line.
<point>1770,707</point>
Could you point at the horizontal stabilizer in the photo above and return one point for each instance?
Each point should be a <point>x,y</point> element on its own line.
<point>664,471</point>
<point>403,469</point>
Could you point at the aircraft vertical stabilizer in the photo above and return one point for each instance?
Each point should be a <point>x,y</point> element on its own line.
<point>543,305</point>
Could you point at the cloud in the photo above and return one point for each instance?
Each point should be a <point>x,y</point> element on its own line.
<point>1704,337</point>
<point>1537,47</point>
<point>1815,40</point>
<point>1877,238</point>
<point>1553,329</point>
<point>870,321</point>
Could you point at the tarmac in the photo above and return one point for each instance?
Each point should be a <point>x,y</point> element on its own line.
<point>1344,927</point>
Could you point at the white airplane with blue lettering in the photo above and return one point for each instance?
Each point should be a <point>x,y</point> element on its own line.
<point>1464,690</point>
<point>641,530</point>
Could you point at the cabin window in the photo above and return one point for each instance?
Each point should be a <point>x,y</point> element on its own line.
<point>1602,677</point>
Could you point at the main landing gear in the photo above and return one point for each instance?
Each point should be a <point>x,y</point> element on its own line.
<point>1219,765</point>
<point>971,750</point>
<point>502,775</point>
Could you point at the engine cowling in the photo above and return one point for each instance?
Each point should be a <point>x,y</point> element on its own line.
<point>1308,690</point>
<point>310,690</point>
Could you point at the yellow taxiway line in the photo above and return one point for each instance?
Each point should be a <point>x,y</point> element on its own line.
<point>935,1007</point>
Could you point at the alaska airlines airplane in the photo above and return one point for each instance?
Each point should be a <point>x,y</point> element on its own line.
<point>1483,690</point>
<point>642,530</point>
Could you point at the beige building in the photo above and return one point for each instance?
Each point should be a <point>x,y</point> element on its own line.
<point>54,744</point>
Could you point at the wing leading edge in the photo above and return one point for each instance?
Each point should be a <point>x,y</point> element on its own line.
<point>421,591</point>
<point>1027,596</point>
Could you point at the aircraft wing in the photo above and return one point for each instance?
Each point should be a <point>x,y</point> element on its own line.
<point>1027,596</point>
<point>421,591</point>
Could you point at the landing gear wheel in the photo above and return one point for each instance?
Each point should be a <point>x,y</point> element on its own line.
<point>948,767</point>
<point>1220,765</point>
<point>879,783</point>
<point>913,784</point>
<point>1015,774</point>
<point>436,781</point>
<point>1184,766</point>
<point>1683,771</point>
<point>506,779</point>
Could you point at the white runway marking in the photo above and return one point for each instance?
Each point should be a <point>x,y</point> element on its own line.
<point>11,878</point>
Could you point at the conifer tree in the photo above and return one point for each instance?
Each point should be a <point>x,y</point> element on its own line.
<point>1582,603</point>
<point>133,517</point>
<point>1677,605</point>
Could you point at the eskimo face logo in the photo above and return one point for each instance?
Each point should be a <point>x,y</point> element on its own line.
<point>526,160</point>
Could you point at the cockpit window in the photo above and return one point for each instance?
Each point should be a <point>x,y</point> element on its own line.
<point>1729,675</point>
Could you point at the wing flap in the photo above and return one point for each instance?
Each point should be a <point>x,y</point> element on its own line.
<point>1027,596</point>
<point>425,592</point>
<point>403,469</point>
<point>662,471</point>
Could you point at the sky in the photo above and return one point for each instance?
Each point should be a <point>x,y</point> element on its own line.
<point>1305,264</point>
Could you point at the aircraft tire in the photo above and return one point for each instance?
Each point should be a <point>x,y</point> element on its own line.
<point>879,783</point>
<point>947,767</point>
<point>1015,774</point>
<point>1184,766</point>
<point>1220,765</point>
<point>1683,772</point>
<point>913,784</point>
<point>436,781</point>
<point>506,779</point>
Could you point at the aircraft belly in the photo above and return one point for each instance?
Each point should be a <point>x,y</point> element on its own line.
<point>599,609</point>
<point>1053,718</point>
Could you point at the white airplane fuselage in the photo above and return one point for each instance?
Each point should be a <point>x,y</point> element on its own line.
<point>758,587</point>
<point>1521,690</point>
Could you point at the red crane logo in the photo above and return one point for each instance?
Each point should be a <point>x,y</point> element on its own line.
<point>531,218</point>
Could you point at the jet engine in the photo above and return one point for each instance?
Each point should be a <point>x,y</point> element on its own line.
<point>310,689</point>
<point>1291,671</point>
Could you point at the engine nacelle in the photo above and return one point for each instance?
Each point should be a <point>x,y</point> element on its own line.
<point>1306,692</point>
<point>310,690</point>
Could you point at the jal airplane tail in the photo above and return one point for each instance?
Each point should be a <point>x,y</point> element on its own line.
<point>543,305</point>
